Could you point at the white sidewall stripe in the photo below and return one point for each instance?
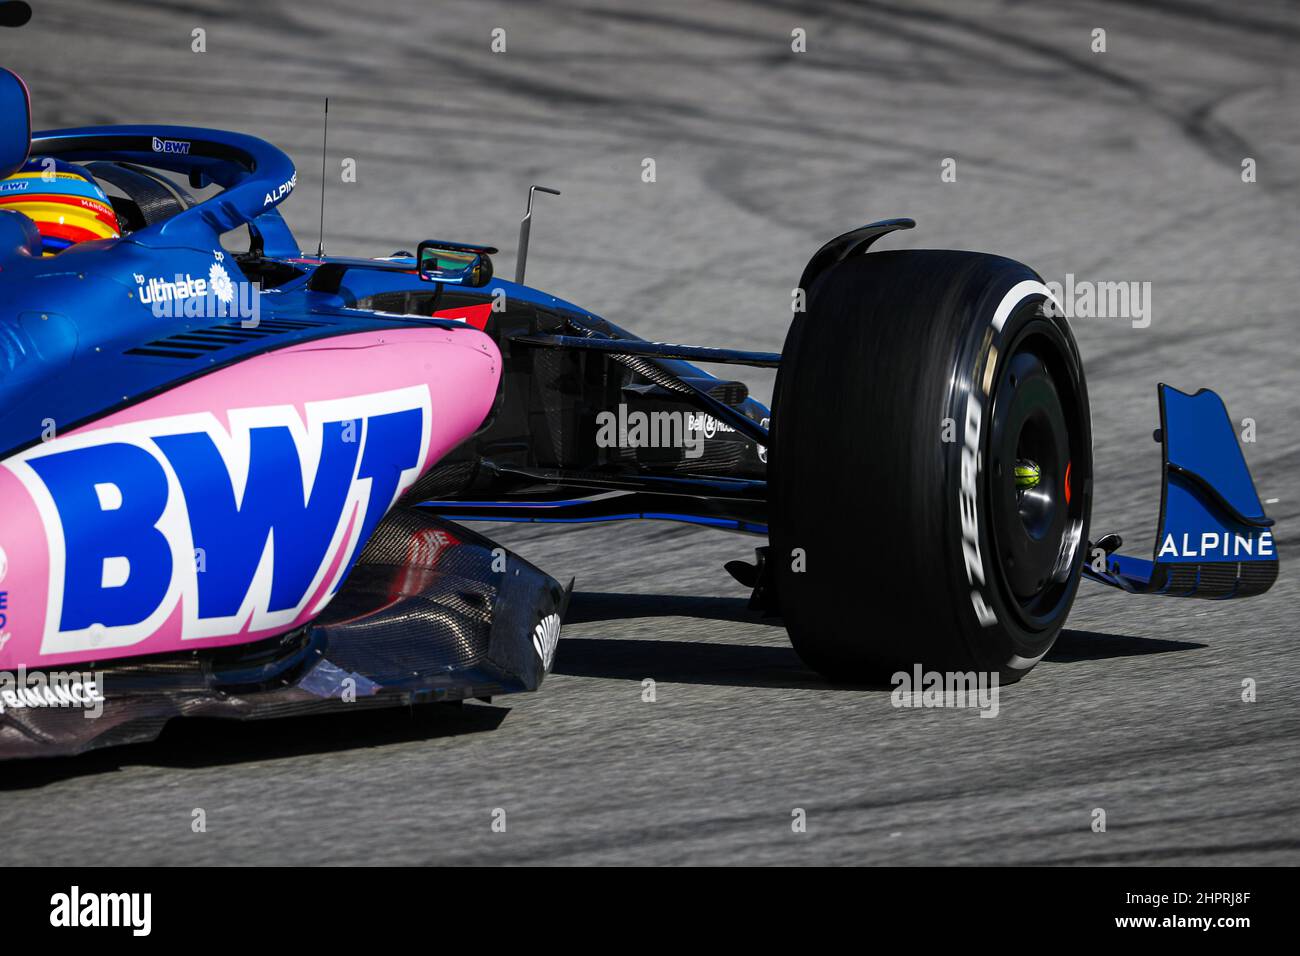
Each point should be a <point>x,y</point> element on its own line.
<point>1018,293</point>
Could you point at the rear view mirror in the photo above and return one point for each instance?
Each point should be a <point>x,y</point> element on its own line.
<point>15,123</point>
<point>457,262</point>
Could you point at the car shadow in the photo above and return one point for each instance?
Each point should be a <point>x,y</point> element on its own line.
<point>197,742</point>
<point>1073,646</point>
<point>588,606</point>
<point>754,665</point>
<point>758,665</point>
<point>691,662</point>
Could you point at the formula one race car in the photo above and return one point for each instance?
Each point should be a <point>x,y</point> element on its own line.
<point>230,475</point>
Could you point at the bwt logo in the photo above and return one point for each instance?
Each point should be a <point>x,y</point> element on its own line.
<point>180,147</point>
<point>241,526</point>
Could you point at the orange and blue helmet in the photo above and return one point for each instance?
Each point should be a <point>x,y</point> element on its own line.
<point>63,200</point>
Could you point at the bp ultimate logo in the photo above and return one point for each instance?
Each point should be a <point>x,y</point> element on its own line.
<point>244,528</point>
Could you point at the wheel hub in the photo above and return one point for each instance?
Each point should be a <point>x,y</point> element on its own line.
<point>1035,527</point>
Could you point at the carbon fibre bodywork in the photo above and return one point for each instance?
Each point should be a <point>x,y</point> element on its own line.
<point>424,618</point>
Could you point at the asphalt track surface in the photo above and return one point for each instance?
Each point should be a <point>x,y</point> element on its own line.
<point>1117,166</point>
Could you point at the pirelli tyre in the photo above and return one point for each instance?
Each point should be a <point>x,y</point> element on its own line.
<point>930,472</point>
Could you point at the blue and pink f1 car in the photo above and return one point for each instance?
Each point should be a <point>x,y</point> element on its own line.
<point>235,476</point>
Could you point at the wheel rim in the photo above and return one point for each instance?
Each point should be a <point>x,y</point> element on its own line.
<point>1037,463</point>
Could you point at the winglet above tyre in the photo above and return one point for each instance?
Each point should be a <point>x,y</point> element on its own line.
<point>854,242</point>
<point>1213,539</point>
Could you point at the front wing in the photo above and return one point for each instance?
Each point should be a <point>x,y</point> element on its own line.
<point>1213,538</point>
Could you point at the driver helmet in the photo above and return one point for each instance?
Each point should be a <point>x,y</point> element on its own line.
<point>63,200</point>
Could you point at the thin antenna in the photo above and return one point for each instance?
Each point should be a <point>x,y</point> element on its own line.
<point>525,225</point>
<point>324,138</point>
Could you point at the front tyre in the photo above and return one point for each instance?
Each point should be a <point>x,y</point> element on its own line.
<point>930,474</point>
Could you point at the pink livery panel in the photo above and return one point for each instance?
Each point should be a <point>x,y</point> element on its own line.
<point>231,507</point>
